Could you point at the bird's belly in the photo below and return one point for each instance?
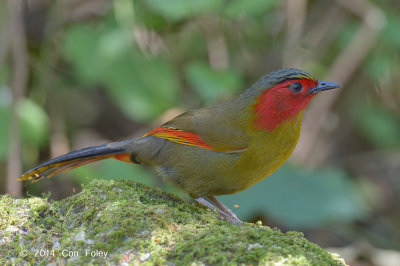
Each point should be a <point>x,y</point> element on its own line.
<point>200,172</point>
<point>203,172</point>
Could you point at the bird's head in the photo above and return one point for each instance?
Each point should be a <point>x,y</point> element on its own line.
<point>284,94</point>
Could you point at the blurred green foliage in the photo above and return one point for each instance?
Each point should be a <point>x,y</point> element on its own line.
<point>34,123</point>
<point>140,86</point>
<point>5,124</point>
<point>176,10</point>
<point>302,199</point>
<point>104,74</point>
<point>210,84</point>
<point>378,126</point>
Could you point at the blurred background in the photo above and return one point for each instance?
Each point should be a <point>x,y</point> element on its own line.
<point>77,73</point>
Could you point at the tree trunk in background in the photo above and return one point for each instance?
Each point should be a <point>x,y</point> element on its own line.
<point>19,81</point>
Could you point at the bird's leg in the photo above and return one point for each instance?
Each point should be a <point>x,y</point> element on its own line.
<point>223,207</point>
<point>231,218</point>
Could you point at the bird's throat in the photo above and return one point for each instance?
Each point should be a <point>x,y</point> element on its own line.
<point>271,109</point>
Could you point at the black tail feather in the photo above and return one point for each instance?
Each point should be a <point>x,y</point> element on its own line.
<point>74,159</point>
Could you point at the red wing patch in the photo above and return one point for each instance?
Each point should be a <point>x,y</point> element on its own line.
<point>125,157</point>
<point>179,136</point>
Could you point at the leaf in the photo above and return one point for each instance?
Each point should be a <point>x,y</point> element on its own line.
<point>377,125</point>
<point>80,48</point>
<point>301,199</point>
<point>34,122</point>
<point>249,8</point>
<point>142,87</point>
<point>176,10</point>
<point>211,84</point>
<point>347,33</point>
<point>379,65</point>
<point>390,33</point>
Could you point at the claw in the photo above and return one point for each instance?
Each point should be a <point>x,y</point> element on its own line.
<point>226,213</point>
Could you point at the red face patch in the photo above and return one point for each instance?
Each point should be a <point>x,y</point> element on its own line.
<point>282,102</point>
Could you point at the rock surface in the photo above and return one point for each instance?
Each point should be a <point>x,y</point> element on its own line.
<point>123,222</point>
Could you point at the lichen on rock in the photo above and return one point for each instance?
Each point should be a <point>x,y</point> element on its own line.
<point>124,222</point>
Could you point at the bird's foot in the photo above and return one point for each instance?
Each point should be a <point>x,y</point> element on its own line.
<point>225,212</point>
<point>223,207</point>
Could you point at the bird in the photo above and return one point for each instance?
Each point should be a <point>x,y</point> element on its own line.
<point>215,150</point>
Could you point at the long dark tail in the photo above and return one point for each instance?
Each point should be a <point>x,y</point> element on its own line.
<point>77,158</point>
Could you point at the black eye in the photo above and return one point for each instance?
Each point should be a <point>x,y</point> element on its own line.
<point>296,87</point>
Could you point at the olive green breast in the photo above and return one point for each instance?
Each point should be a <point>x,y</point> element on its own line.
<point>267,152</point>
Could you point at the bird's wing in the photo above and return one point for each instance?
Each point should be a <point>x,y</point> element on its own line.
<point>207,128</point>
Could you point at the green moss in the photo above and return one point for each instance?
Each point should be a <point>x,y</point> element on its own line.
<point>135,224</point>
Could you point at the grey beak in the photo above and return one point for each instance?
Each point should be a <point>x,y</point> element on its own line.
<point>324,86</point>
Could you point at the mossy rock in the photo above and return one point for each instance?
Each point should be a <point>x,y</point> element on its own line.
<point>124,222</point>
